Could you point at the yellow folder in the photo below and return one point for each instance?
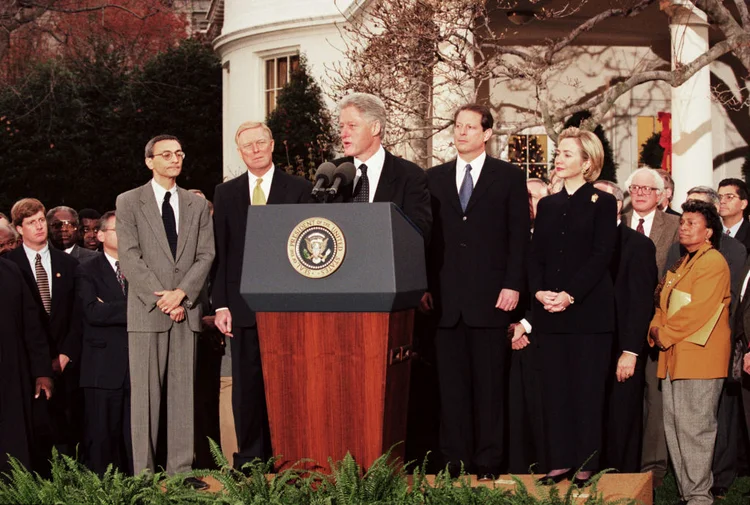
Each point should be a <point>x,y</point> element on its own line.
<point>677,300</point>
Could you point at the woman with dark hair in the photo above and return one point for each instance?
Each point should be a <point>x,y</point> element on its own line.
<point>575,235</point>
<point>691,328</point>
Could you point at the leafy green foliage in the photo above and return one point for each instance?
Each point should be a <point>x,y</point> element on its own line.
<point>73,132</point>
<point>609,168</point>
<point>301,125</point>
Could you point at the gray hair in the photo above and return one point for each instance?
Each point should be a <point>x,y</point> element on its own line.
<point>62,208</point>
<point>9,231</point>
<point>658,181</point>
<point>370,106</point>
<point>614,189</point>
<point>706,190</point>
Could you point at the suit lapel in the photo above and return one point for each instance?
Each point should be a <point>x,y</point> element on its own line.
<point>153,217</point>
<point>187,214</point>
<point>657,227</point>
<point>486,179</point>
<point>448,181</point>
<point>23,263</point>
<point>388,176</point>
<point>109,277</point>
<point>742,231</point>
<point>278,188</point>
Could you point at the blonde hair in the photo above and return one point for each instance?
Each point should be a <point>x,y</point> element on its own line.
<point>249,125</point>
<point>591,150</point>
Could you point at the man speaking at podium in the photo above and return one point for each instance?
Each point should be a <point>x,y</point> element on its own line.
<point>262,184</point>
<point>381,176</point>
<point>475,271</point>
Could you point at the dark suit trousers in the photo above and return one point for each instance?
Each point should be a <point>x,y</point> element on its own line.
<point>624,419</point>
<point>526,411</point>
<point>248,398</point>
<point>574,374</point>
<point>471,365</point>
<point>106,436</point>
<point>728,435</point>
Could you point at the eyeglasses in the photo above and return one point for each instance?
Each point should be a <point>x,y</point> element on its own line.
<point>258,144</point>
<point>64,224</point>
<point>727,197</point>
<point>168,155</point>
<point>644,190</point>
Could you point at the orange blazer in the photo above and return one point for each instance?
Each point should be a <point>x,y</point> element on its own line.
<point>706,279</point>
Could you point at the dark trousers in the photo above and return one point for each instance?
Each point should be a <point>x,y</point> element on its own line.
<point>526,411</point>
<point>248,398</point>
<point>471,366</point>
<point>207,378</point>
<point>574,374</point>
<point>106,429</point>
<point>624,419</point>
<point>728,435</point>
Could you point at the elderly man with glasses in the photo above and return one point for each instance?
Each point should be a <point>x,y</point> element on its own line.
<point>63,224</point>
<point>646,186</point>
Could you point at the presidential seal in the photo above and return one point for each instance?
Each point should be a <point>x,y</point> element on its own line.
<point>316,247</point>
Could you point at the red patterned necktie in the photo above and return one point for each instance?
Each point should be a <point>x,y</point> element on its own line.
<point>640,229</point>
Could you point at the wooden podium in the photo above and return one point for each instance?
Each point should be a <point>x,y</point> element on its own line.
<point>335,349</point>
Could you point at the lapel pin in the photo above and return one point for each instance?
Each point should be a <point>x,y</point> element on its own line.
<point>58,275</point>
<point>594,198</point>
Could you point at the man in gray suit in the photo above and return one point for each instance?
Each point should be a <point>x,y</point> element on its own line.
<point>646,188</point>
<point>166,247</point>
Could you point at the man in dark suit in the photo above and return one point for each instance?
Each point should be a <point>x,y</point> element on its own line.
<point>24,365</point>
<point>475,273</point>
<point>261,184</point>
<point>51,277</point>
<point>733,197</point>
<point>728,431</point>
<point>105,380</point>
<point>381,176</point>
<point>64,224</point>
<point>646,188</point>
<point>635,276</point>
<point>665,204</point>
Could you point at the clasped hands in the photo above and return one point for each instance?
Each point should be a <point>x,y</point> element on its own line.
<point>553,301</point>
<point>169,303</point>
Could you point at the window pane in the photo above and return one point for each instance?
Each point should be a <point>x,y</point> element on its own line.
<point>294,62</point>
<point>270,102</point>
<point>270,74</point>
<point>282,75</point>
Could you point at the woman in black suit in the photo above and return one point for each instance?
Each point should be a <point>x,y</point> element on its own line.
<point>574,238</point>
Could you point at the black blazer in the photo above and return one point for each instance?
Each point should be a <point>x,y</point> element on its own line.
<point>104,354</point>
<point>403,183</point>
<point>743,234</point>
<point>231,200</point>
<point>574,240</point>
<point>63,324</point>
<point>472,256</point>
<point>635,276</point>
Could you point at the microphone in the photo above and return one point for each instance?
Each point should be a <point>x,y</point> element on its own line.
<point>323,177</point>
<point>343,175</point>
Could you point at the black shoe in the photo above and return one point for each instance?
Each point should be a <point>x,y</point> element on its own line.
<point>486,474</point>
<point>719,492</point>
<point>195,483</point>
<point>582,483</point>
<point>551,480</point>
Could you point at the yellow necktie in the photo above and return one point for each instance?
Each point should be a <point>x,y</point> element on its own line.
<point>259,198</point>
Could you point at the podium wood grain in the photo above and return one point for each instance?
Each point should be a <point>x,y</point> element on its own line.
<point>329,387</point>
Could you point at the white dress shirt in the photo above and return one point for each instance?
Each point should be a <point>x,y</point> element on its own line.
<point>476,169</point>
<point>734,229</point>
<point>111,261</point>
<point>648,221</point>
<point>174,201</point>
<point>265,185</point>
<point>46,262</point>
<point>374,169</point>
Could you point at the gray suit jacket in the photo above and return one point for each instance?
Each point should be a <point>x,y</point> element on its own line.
<point>146,260</point>
<point>665,231</point>
<point>82,255</point>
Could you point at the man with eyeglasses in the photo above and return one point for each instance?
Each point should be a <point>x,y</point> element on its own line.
<point>8,239</point>
<point>261,184</point>
<point>63,224</point>
<point>105,382</point>
<point>646,187</point>
<point>166,248</point>
<point>733,197</point>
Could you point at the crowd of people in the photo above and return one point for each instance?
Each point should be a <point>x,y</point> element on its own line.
<point>571,336</point>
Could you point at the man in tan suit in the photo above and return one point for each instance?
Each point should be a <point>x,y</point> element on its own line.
<point>166,247</point>
<point>646,187</point>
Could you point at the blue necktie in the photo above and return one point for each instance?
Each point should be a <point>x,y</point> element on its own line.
<point>467,186</point>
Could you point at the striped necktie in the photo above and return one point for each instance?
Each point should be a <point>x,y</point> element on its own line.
<point>42,282</point>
